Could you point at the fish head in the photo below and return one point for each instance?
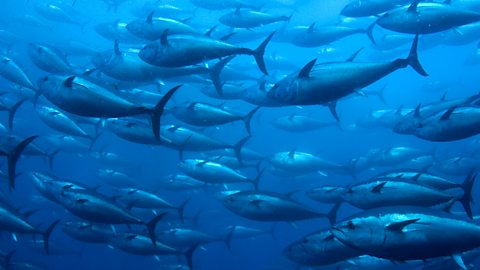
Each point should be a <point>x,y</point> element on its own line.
<point>48,84</point>
<point>151,51</point>
<point>361,233</point>
<point>104,60</point>
<point>302,251</point>
<point>135,27</point>
<point>285,90</point>
<point>407,125</point>
<point>233,201</point>
<point>352,8</point>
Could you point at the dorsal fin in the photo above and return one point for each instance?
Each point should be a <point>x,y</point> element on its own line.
<point>82,201</point>
<point>186,20</point>
<point>116,49</point>
<point>131,237</point>
<point>399,110</point>
<point>354,55</point>
<point>164,38</point>
<point>68,83</point>
<point>378,187</point>
<point>311,28</point>
<point>447,114</point>
<point>398,226</point>
<point>305,71</point>
<point>149,18</point>
<point>237,10</point>
<point>417,111</point>
<point>203,162</point>
<point>291,154</point>
<point>444,96</point>
<point>413,6</point>
<point>210,31</point>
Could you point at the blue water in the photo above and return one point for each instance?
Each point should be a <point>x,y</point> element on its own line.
<point>445,64</point>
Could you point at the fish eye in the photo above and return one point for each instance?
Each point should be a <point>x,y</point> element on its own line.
<point>45,78</point>
<point>350,225</point>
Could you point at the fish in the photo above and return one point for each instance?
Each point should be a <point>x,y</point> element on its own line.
<point>215,173</point>
<point>181,50</point>
<point>152,27</point>
<point>15,224</point>
<point>268,206</point>
<point>325,84</point>
<point>79,96</point>
<point>242,18</point>
<point>14,73</point>
<point>204,114</point>
<point>316,36</point>
<point>300,123</point>
<point>88,232</point>
<point>378,193</point>
<point>49,59</point>
<point>404,234</point>
<point>366,8</point>
<point>424,18</point>
<point>61,122</point>
<point>456,123</point>
<point>319,248</point>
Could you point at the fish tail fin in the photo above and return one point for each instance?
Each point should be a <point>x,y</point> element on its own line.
<point>51,157</point>
<point>38,93</point>
<point>12,158</point>
<point>12,111</point>
<point>466,198</point>
<point>248,119</point>
<point>181,209</point>
<point>189,255</point>
<point>237,148</point>
<point>151,225</point>
<point>370,33</point>
<point>332,214</point>
<point>256,181</point>
<point>260,51</point>
<point>181,149</point>
<point>46,235</point>
<point>158,111</point>
<point>228,238</point>
<point>93,140</point>
<point>7,259</point>
<point>412,59</point>
<point>215,72</point>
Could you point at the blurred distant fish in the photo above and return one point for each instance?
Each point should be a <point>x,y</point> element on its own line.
<point>61,13</point>
<point>366,8</point>
<point>218,5</point>
<point>153,27</point>
<point>59,121</point>
<point>300,123</point>
<point>319,248</point>
<point>116,31</point>
<point>242,18</point>
<point>14,73</point>
<point>160,9</point>
<point>49,59</point>
<point>204,114</point>
<point>316,36</point>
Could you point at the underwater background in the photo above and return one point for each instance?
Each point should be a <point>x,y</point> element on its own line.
<point>360,145</point>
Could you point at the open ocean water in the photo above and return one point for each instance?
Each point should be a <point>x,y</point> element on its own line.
<point>239,134</point>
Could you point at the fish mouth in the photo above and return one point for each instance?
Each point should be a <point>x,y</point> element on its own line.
<point>337,233</point>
